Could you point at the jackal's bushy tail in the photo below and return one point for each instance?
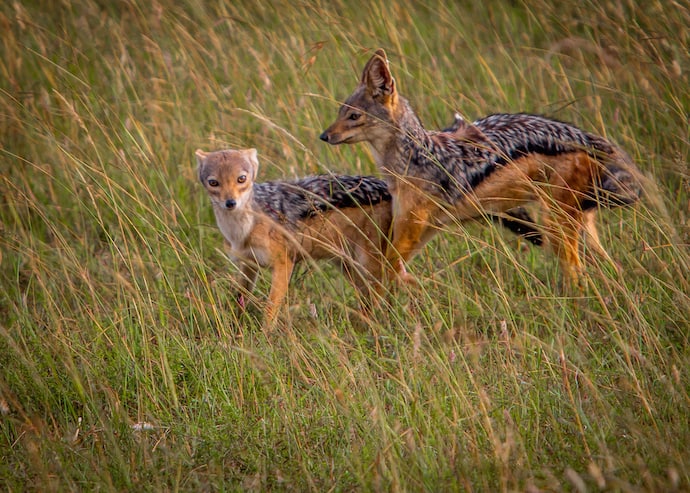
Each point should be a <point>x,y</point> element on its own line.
<point>619,183</point>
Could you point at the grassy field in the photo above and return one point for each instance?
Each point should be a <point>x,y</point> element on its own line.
<point>125,363</point>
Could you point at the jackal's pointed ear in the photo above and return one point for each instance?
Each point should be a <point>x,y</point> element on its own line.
<point>377,76</point>
<point>254,159</point>
<point>200,156</point>
<point>380,52</point>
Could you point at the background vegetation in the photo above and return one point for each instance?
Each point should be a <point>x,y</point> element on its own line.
<point>124,361</point>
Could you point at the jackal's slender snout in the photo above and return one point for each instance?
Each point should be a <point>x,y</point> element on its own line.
<point>335,136</point>
<point>230,204</point>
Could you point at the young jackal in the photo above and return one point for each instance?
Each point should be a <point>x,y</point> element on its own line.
<point>494,165</point>
<point>276,224</point>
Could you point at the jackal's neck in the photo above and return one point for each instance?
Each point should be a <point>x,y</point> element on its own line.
<point>408,121</point>
<point>414,141</point>
<point>406,138</point>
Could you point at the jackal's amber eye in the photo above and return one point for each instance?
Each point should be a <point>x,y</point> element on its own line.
<point>354,116</point>
<point>241,178</point>
<point>213,183</point>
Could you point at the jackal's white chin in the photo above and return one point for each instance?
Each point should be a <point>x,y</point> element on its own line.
<point>338,139</point>
<point>350,139</point>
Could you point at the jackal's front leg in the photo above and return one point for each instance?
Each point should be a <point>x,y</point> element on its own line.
<point>563,230</point>
<point>249,273</point>
<point>411,231</point>
<point>280,279</point>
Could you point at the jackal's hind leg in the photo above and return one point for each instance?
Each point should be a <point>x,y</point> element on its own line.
<point>563,231</point>
<point>365,271</point>
<point>594,249</point>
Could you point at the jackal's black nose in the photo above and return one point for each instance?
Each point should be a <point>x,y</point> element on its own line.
<point>230,204</point>
<point>324,137</point>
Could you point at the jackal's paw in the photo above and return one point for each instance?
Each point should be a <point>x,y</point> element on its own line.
<point>403,277</point>
<point>574,287</point>
<point>407,279</point>
<point>242,301</point>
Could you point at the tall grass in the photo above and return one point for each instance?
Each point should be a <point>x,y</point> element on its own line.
<point>124,361</point>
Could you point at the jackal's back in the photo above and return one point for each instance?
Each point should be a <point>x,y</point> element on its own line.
<point>516,135</point>
<point>292,201</point>
<point>495,140</point>
<point>472,152</point>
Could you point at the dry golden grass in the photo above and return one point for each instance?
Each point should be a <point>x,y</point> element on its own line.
<point>124,362</point>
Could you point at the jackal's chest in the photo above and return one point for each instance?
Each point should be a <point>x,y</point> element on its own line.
<point>237,231</point>
<point>235,227</point>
